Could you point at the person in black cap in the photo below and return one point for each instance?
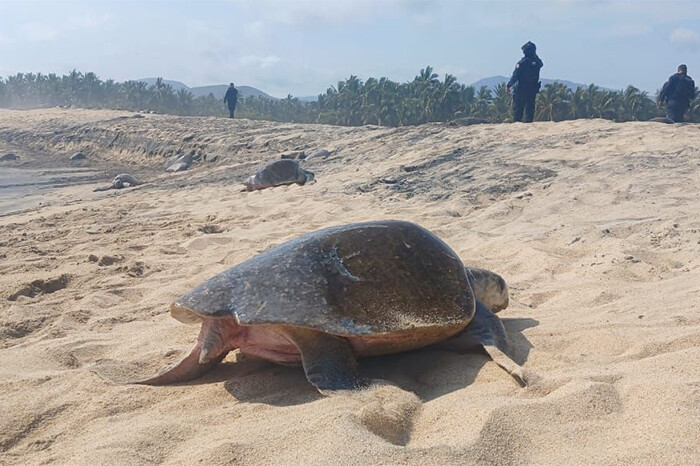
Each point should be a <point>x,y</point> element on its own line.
<point>526,79</point>
<point>677,93</point>
<point>231,98</point>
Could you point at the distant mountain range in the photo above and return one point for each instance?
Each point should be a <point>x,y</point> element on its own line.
<point>219,90</point>
<point>492,81</point>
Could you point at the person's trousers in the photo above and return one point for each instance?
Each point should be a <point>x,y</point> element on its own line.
<point>676,110</point>
<point>524,103</point>
<point>230,111</point>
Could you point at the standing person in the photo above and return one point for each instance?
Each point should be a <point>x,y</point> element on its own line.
<point>526,78</point>
<point>677,93</point>
<point>231,98</point>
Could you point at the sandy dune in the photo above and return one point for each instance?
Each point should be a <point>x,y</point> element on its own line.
<point>595,226</point>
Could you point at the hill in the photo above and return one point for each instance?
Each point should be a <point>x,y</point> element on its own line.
<point>492,81</point>
<point>218,89</point>
<point>177,85</point>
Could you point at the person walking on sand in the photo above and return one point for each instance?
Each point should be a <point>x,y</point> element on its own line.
<point>526,79</point>
<point>231,98</point>
<point>677,93</point>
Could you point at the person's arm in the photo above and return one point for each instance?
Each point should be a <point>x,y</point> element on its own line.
<point>693,93</point>
<point>515,77</point>
<point>664,92</point>
<point>226,96</point>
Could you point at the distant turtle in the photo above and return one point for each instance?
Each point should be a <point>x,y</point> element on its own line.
<point>8,157</point>
<point>123,180</point>
<point>78,156</point>
<point>344,292</point>
<point>468,121</point>
<point>665,119</point>
<point>277,173</point>
<point>318,154</point>
<point>180,163</point>
<point>178,167</point>
<point>294,155</point>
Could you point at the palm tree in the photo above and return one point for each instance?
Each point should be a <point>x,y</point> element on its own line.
<point>553,102</point>
<point>3,93</point>
<point>482,102</point>
<point>501,104</point>
<point>90,89</point>
<point>579,104</point>
<point>603,104</point>
<point>694,110</point>
<point>184,102</point>
<point>380,101</point>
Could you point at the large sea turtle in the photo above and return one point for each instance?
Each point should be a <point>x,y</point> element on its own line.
<point>344,292</point>
<point>277,173</point>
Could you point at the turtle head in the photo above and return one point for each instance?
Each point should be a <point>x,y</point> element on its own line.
<point>209,300</point>
<point>310,177</point>
<point>489,288</point>
<point>184,314</point>
<point>249,182</point>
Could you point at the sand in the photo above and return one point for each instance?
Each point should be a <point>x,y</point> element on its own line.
<point>595,225</point>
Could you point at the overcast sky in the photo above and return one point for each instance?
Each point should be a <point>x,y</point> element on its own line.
<point>304,46</point>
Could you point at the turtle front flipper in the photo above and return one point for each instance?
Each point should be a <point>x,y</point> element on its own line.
<point>486,330</point>
<point>209,351</point>
<point>328,360</point>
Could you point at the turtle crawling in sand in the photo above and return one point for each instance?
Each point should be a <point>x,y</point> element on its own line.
<point>331,296</point>
<point>123,180</point>
<point>278,173</point>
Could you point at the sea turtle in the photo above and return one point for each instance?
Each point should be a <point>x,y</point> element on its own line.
<point>321,153</point>
<point>123,180</point>
<point>468,121</point>
<point>294,155</point>
<point>178,167</point>
<point>180,163</point>
<point>343,292</point>
<point>78,156</point>
<point>8,157</point>
<point>662,119</point>
<point>277,173</point>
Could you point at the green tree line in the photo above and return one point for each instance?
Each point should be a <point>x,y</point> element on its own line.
<point>352,102</point>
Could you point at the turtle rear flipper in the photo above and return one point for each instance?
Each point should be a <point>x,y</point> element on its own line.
<point>486,330</point>
<point>328,360</point>
<point>187,369</point>
<point>209,351</point>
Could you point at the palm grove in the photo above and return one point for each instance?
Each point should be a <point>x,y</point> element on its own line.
<point>351,103</point>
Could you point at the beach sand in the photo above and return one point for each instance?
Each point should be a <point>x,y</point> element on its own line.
<point>595,226</point>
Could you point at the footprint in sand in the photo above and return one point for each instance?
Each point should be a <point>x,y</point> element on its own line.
<point>384,409</point>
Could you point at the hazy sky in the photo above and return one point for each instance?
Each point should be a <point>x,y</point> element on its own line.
<point>304,46</point>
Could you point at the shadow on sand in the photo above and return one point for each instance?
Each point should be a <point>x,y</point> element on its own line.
<point>428,372</point>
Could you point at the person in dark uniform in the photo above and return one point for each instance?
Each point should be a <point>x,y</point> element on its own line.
<point>526,79</point>
<point>231,98</point>
<point>677,93</point>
